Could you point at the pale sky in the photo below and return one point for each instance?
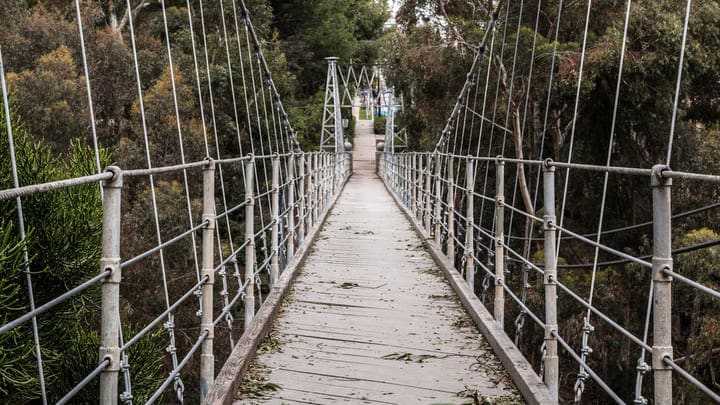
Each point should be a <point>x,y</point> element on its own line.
<point>394,5</point>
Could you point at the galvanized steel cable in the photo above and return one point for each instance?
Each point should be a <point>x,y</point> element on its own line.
<point>587,326</point>
<point>678,83</point>
<point>170,323</point>
<point>23,235</point>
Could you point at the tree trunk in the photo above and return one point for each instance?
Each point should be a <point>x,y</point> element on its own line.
<point>522,181</point>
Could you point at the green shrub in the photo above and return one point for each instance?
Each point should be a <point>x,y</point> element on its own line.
<point>379,125</point>
<point>63,241</point>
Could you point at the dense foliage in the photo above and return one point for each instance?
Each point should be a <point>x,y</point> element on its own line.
<point>432,51</point>
<point>63,255</point>
<point>43,61</point>
<point>429,55</point>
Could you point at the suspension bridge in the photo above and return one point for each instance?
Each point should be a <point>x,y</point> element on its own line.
<point>363,272</point>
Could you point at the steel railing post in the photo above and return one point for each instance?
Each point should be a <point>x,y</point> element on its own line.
<point>250,243</point>
<point>451,210</point>
<point>393,173</point>
<point>207,356</point>
<point>316,188</point>
<point>323,182</point>
<point>552,371</point>
<point>398,174</point>
<point>275,227</point>
<point>469,228</point>
<point>662,285</point>
<point>110,287</point>
<point>426,193</point>
<point>406,180</point>
<point>499,304</point>
<point>291,208</point>
<point>352,163</point>
<point>420,211</point>
<point>438,200</point>
<point>413,185</point>
<point>403,178</point>
<point>327,174</point>
<point>301,200</point>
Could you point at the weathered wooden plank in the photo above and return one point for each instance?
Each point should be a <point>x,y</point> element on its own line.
<point>527,381</point>
<point>230,377</point>
<point>370,317</point>
<point>360,390</point>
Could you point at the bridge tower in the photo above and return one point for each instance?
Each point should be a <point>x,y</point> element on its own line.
<point>332,137</point>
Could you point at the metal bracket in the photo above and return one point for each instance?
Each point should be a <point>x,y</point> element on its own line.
<point>112,354</point>
<point>659,266</point>
<point>658,354</point>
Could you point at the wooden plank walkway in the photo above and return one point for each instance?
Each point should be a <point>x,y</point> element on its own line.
<point>370,318</point>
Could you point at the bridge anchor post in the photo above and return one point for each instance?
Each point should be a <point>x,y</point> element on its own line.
<point>499,304</point>
<point>552,368</point>
<point>207,357</point>
<point>110,287</point>
<point>662,285</point>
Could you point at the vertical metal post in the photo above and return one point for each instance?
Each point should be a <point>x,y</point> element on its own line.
<point>469,222</point>
<point>406,179</point>
<point>316,188</point>
<point>391,171</point>
<point>301,199</point>
<point>451,209</point>
<point>110,287</point>
<point>250,240</point>
<point>396,173</point>
<point>427,194</point>
<point>334,173</point>
<point>275,227</point>
<point>327,173</point>
<point>552,371</point>
<point>291,208</point>
<point>402,180</point>
<point>419,184</point>
<point>322,182</point>
<point>662,285</point>
<point>499,304</point>
<point>325,181</point>
<point>328,178</point>
<point>413,184</point>
<point>438,200</point>
<point>207,356</point>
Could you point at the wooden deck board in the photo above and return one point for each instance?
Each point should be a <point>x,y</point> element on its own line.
<point>370,319</point>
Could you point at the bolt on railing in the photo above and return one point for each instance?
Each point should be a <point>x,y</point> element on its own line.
<point>552,372</point>
<point>207,356</point>
<point>662,286</point>
<point>499,303</point>
<point>469,221</point>
<point>110,287</point>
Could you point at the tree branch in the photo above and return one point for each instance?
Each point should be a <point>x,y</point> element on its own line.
<point>119,26</point>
